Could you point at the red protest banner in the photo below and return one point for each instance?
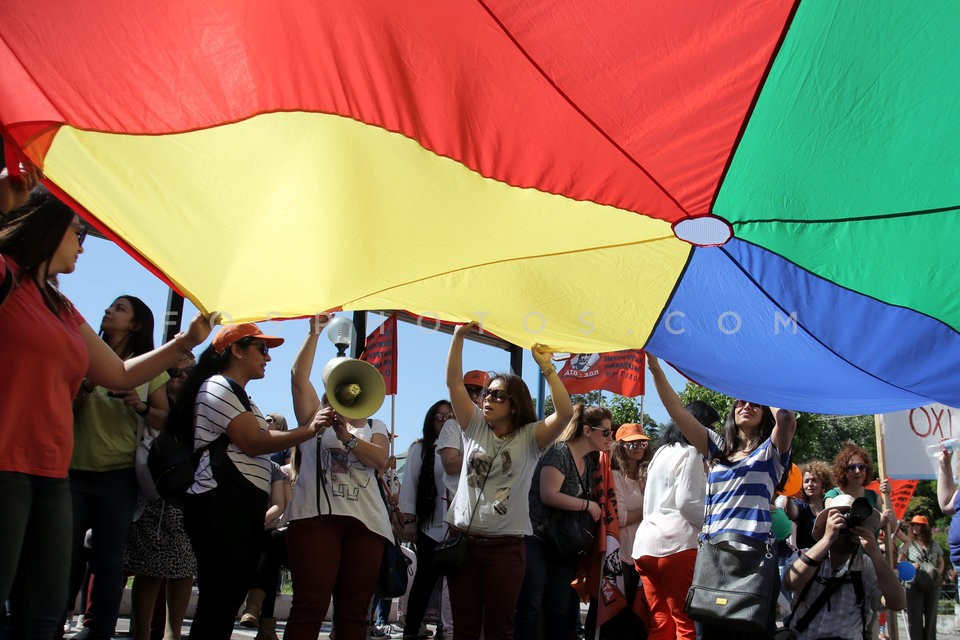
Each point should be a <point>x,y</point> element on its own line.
<point>900,493</point>
<point>617,371</point>
<point>381,352</point>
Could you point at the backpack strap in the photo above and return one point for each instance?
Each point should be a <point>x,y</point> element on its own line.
<point>861,602</point>
<point>832,586</point>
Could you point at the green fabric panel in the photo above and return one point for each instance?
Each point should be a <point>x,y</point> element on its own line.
<point>859,118</point>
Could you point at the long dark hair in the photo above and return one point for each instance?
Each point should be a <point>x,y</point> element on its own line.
<point>731,433</point>
<point>141,340</point>
<point>426,487</point>
<point>180,418</point>
<point>520,400</point>
<point>31,235</point>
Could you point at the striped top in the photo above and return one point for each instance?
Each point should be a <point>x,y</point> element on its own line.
<point>739,496</point>
<point>217,405</point>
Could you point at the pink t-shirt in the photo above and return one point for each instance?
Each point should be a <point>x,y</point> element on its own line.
<point>45,359</point>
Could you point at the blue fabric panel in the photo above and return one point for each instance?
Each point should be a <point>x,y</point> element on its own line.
<point>846,354</point>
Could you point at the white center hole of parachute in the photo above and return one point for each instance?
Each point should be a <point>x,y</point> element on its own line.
<point>706,231</point>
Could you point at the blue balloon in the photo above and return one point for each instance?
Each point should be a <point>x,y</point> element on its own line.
<point>906,570</point>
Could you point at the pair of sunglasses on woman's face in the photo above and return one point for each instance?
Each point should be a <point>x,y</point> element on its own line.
<point>495,395</point>
<point>636,444</point>
<point>854,468</point>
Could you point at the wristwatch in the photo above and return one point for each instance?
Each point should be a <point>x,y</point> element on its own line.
<point>351,444</point>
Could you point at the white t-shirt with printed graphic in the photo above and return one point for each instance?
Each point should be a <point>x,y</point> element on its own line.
<point>349,487</point>
<point>503,509</point>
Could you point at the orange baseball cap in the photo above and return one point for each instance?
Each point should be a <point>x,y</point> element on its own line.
<point>475,378</point>
<point>919,520</point>
<point>631,431</point>
<point>233,332</point>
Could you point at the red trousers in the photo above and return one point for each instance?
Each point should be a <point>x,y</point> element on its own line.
<point>339,557</point>
<point>666,582</point>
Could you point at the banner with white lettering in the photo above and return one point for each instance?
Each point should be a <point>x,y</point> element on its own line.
<point>912,439</point>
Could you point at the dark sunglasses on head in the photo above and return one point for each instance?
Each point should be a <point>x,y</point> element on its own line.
<point>604,432</point>
<point>856,467</point>
<point>495,395</point>
<point>81,232</point>
<point>636,444</point>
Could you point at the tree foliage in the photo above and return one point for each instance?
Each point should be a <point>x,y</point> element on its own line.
<point>624,409</point>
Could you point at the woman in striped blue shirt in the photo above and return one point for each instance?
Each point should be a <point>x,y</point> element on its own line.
<point>746,463</point>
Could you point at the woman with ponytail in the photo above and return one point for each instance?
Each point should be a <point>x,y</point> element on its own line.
<point>423,503</point>
<point>563,481</point>
<point>226,505</point>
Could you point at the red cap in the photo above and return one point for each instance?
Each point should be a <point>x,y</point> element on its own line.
<point>233,332</point>
<point>475,378</point>
<point>631,431</point>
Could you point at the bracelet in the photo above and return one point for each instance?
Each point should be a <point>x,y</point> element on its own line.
<point>547,372</point>
<point>146,410</point>
<point>807,560</point>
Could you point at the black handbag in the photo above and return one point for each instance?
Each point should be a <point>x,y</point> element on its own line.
<point>571,533</point>
<point>394,573</point>
<point>450,555</point>
<point>735,580</point>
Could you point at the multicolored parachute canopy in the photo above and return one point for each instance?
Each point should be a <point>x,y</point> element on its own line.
<point>762,192</point>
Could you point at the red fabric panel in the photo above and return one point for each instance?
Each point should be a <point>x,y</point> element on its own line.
<point>670,82</point>
<point>440,71</point>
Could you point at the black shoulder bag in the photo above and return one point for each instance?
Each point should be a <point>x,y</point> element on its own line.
<point>571,533</point>
<point>735,581</point>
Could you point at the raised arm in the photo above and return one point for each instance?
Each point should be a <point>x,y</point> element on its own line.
<point>693,431</point>
<point>946,487</point>
<point>549,429</point>
<point>306,401</point>
<point>106,369</point>
<point>782,436</point>
<point>463,406</point>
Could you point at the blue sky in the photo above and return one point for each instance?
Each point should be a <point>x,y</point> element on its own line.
<point>105,272</point>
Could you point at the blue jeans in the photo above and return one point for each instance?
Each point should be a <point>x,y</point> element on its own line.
<point>36,538</point>
<point>103,501</point>
<point>546,587</point>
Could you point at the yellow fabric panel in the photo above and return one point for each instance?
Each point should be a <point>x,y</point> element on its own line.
<point>346,214</point>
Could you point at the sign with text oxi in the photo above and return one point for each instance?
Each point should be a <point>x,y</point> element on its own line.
<point>909,436</point>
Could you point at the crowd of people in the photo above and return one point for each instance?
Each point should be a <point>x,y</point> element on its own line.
<point>487,478</point>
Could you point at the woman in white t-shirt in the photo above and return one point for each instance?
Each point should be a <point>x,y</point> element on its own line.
<point>665,544</point>
<point>225,506</point>
<point>502,440</point>
<point>338,520</point>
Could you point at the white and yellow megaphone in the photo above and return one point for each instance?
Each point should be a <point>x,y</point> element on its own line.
<point>354,388</point>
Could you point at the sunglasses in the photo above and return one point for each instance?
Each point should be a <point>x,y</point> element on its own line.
<point>604,432</point>
<point>743,403</point>
<point>176,374</point>
<point>259,346</point>
<point>474,391</point>
<point>81,232</point>
<point>495,395</point>
<point>636,444</point>
<point>857,467</point>
<point>442,417</point>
